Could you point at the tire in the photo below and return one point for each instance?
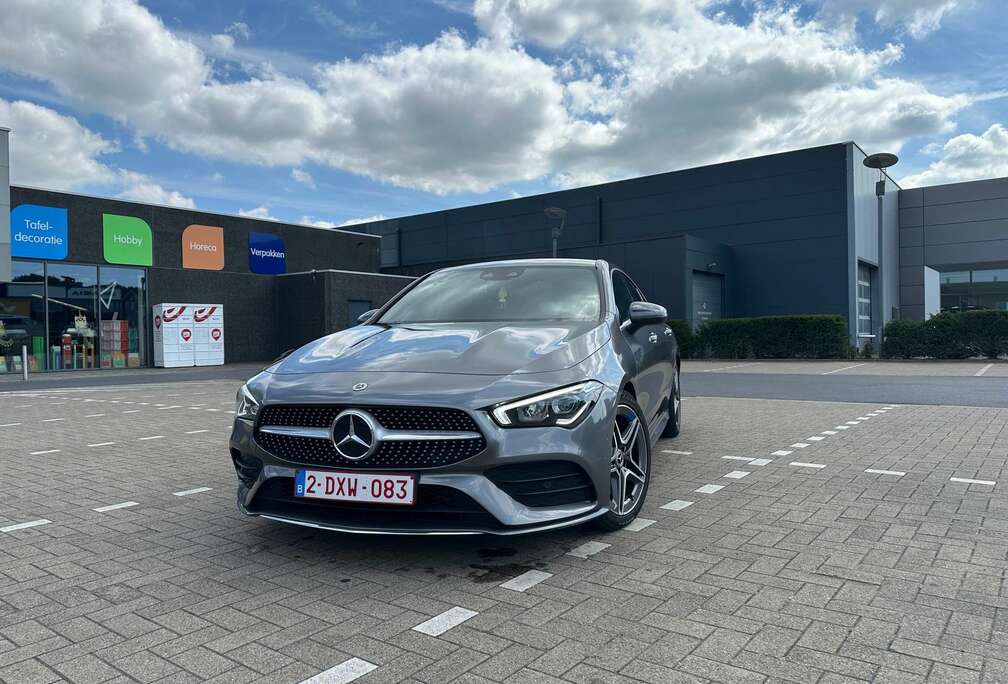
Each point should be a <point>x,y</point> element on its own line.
<point>674,424</point>
<point>630,463</point>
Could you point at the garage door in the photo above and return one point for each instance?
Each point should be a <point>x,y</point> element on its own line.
<point>708,297</point>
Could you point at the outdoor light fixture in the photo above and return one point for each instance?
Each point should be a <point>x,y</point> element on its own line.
<point>561,215</point>
<point>880,161</point>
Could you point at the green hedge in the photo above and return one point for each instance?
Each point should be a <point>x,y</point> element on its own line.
<point>767,337</point>
<point>687,340</point>
<point>948,336</point>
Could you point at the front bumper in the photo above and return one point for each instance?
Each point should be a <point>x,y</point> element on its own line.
<point>452,500</point>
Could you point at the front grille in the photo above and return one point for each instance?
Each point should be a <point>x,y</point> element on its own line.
<point>391,455</point>
<point>544,483</point>
<point>435,507</point>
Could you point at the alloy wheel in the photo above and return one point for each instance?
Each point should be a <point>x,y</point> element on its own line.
<point>629,463</point>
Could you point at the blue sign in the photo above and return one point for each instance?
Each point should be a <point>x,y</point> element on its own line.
<point>266,253</point>
<point>39,232</point>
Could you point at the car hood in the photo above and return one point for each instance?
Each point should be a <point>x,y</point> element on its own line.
<point>461,349</point>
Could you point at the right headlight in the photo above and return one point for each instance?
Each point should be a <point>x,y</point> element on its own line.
<point>246,405</point>
<point>564,407</point>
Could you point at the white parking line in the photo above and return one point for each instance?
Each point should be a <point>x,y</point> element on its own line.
<point>639,524</point>
<point>828,432</point>
<point>897,473</point>
<point>101,444</point>
<point>47,451</point>
<point>132,411</point>
<point>95,415</point>
<point>760,461</point>
<point>738,458</point>
<point>526,580</point>
<point>966,480</point>
<point>983,370</point>
<point>115,507</point>
<point>781,452</point>
<point>52,420</point>
<point>737,365</point>
<point>25,525</point>
<point>841,427</point>
<point>344,673</point>
<point>709,489</point>
<point>144,439</point>
<point>196,432</point>
<point>737,474</point>
<point>799,445</point>
<point>677,505</point>
<point>10,425</point>
<point>853,422</point>
<point>673,451</point>
<point>439,624</point>
<point>856,365</point>
<point>814,438</point>
<point>864,417</point>
<point>806,465</point>
<point>588,549</point>
<point>187,492</point>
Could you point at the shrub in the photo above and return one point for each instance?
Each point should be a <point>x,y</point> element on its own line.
<point>948,336</point>
<point>775,337</point>
<point>684,335</point>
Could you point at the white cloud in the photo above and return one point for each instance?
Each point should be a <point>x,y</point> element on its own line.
<point>966,157</point>
<point>239,29</point>
<point>223,42</point>
<point>51,150</point>
<point>316,223</point>
<point>367,219</point>
<point>140,188</point>
<point>919,18</point>
<point>260,212</point>
<point>303,177</point>
<point>639,86</point>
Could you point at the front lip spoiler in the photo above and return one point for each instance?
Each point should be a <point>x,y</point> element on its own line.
<point>433,532</point>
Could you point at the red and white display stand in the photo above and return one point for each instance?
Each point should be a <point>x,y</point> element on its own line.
<point>174,335</point>
<point>209,334</point>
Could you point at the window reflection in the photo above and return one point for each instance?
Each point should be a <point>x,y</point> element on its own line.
<point>973,290</point>
<point>22,318</point>
<point>121,305</point>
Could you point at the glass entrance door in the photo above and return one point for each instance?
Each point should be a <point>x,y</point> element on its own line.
<point>121,305</point>
<point>73,335</point>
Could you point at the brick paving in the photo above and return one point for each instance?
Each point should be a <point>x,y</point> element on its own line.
<point>786,574</point>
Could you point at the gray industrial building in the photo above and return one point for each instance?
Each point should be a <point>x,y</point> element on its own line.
<point>791,233</point>
<point>801,232</point>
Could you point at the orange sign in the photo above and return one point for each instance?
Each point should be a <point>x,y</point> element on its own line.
<point>203,248</point>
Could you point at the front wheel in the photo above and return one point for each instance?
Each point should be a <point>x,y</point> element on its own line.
<point>629,465</point>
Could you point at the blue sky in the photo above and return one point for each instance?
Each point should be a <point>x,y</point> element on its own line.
<point>342,110</point>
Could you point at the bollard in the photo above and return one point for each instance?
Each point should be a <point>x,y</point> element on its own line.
<point>24,362</point>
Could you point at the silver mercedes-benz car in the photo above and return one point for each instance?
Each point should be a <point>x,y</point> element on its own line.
<point>502,398</point>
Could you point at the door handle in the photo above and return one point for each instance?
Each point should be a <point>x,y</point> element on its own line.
<point>653,337</point>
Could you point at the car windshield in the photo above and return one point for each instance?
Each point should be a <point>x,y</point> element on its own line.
<point>501,293</point>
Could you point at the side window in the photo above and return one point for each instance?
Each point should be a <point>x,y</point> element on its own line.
<point>625,293</point>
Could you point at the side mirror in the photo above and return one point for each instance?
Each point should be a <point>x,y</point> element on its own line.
<point>363,318</point>
<point>646,313</point>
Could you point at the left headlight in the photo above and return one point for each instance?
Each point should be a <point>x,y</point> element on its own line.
<point>564,407</point>
<point>246,405</point>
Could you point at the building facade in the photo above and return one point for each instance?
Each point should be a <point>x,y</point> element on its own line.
<point>801,232</point>
<point>87,270</point>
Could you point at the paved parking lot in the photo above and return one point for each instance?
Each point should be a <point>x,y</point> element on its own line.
<point>962,369</point>
<point>781,541</point>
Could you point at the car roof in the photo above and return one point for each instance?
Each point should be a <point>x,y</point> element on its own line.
<point>591,263</point>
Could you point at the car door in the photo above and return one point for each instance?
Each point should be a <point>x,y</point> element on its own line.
<point>649,347</point>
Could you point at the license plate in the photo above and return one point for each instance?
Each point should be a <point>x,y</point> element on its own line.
<point>335,485</point>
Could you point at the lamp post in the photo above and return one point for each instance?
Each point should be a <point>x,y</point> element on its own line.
<point>561,215</point>
<point>880,161</point>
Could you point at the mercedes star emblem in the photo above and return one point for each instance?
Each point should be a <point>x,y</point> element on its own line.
<point>353,435</point>
<point>360,386</point>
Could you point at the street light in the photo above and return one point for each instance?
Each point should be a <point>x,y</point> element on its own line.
<point>880,161</point>
<point>561,215</point>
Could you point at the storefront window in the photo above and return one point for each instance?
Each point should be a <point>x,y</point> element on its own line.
<point>73,337</point>
<point>22,318</point>
<point>972,290</point>
<point>121,304</point>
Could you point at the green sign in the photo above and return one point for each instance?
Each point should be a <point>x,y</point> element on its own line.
<point>126,240</point>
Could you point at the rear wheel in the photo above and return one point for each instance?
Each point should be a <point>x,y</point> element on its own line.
<point>674,423</point>
<point>629,465</point>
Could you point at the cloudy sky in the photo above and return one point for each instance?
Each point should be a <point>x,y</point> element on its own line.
<point>339,110</point>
